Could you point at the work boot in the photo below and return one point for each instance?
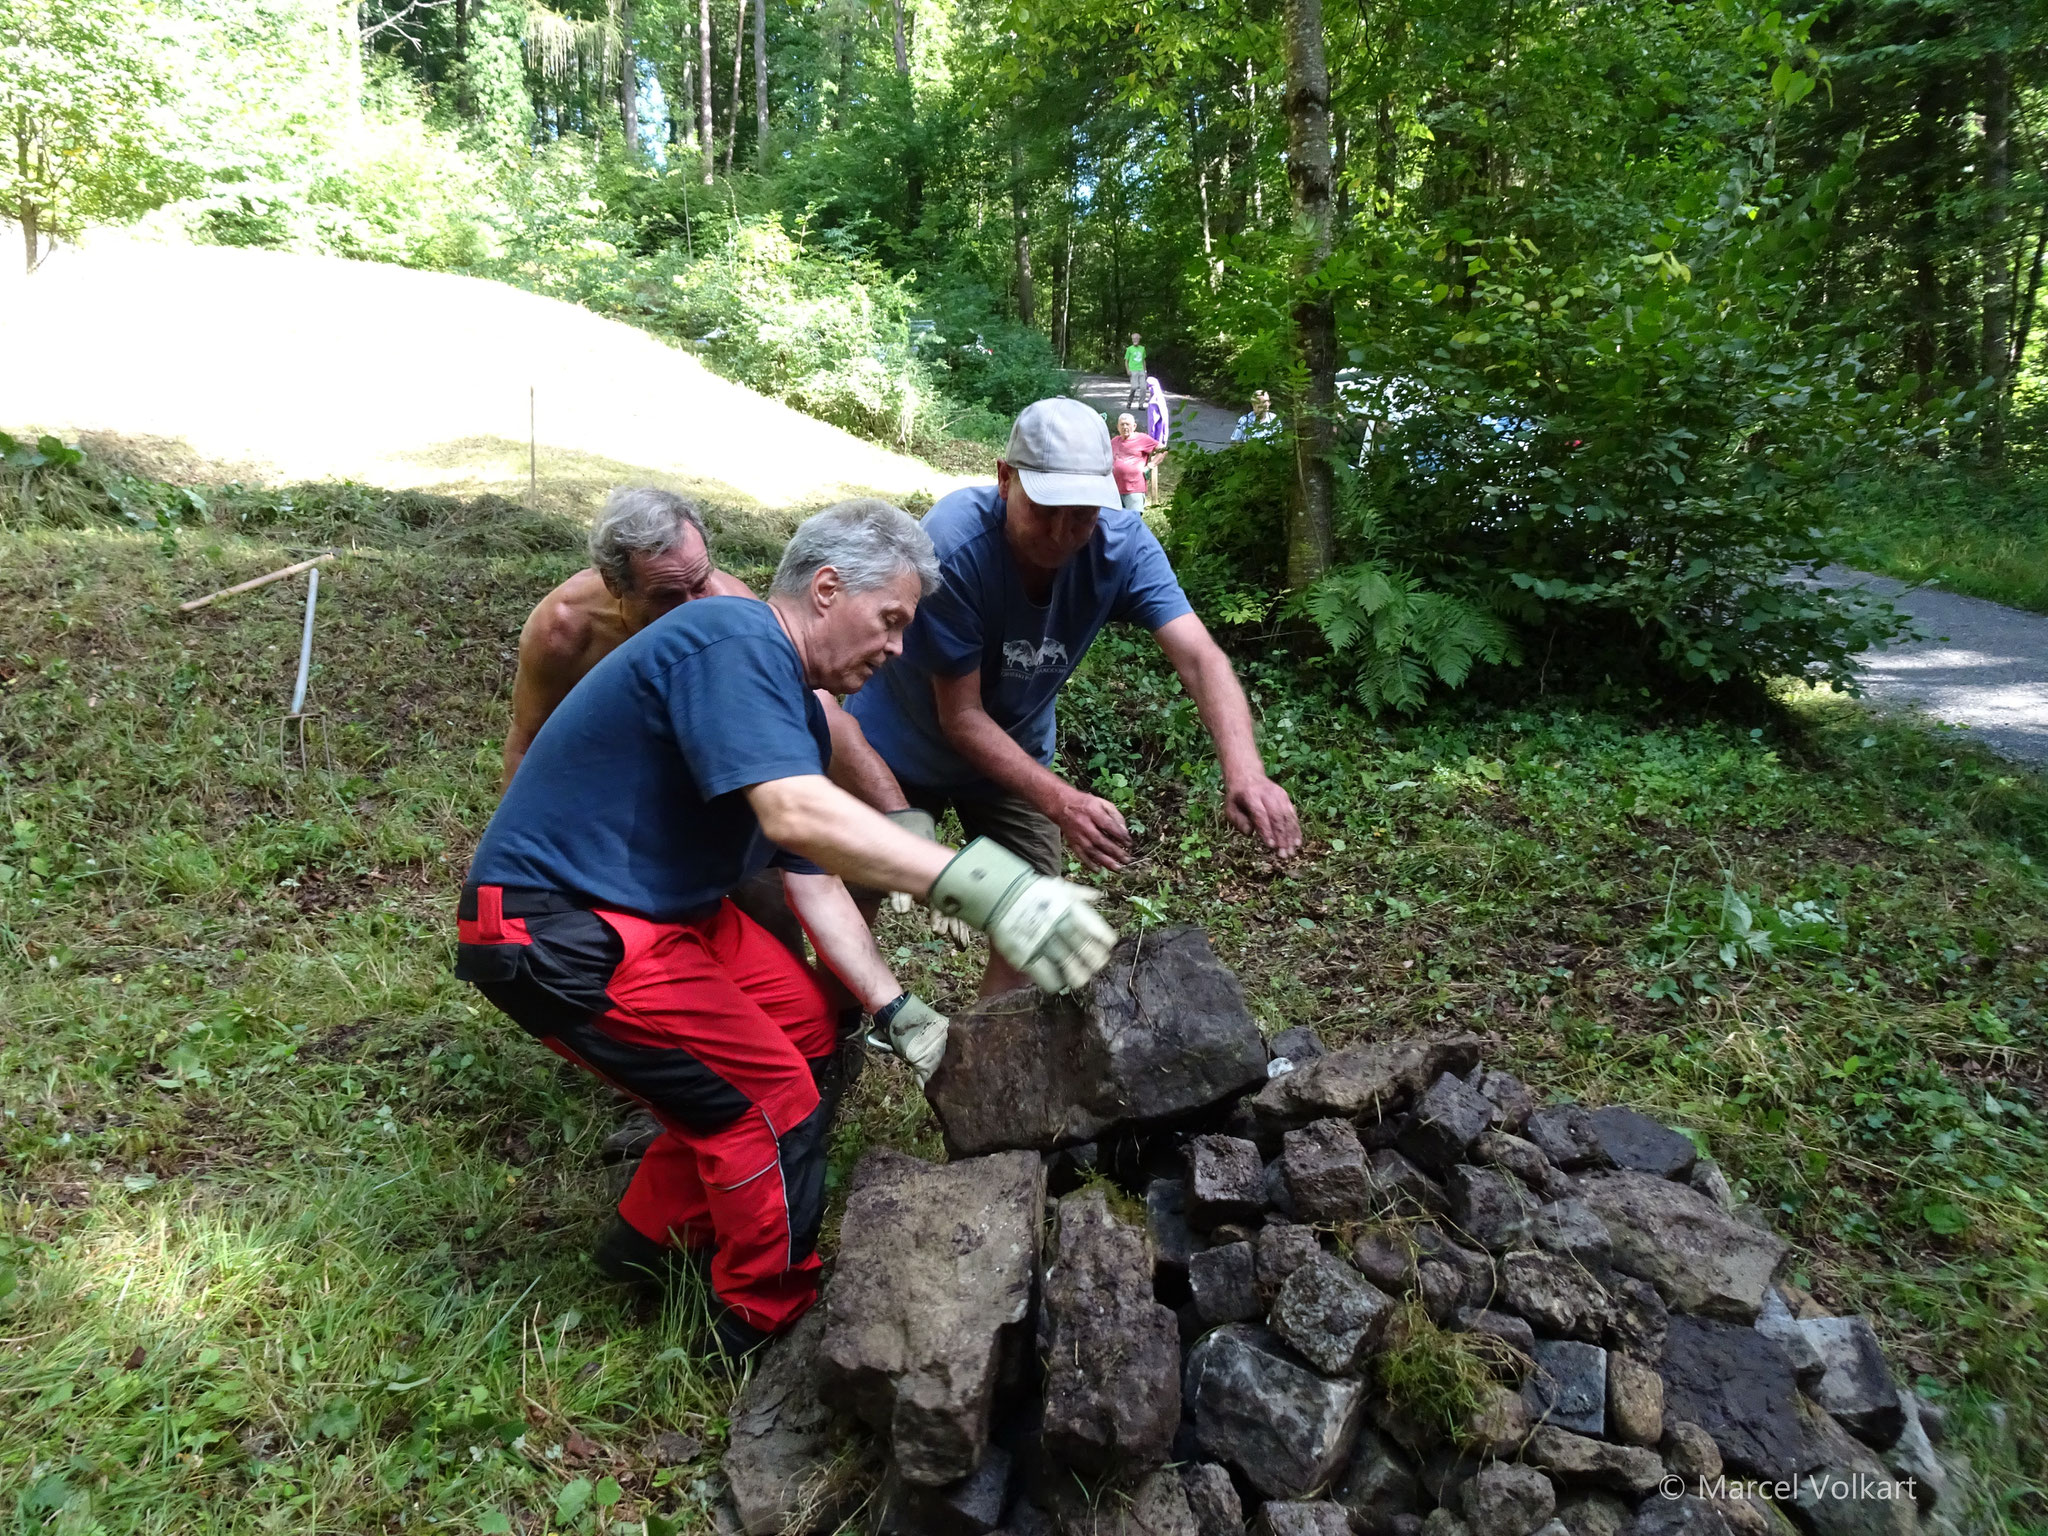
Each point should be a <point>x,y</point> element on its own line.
<point>628,1256</point>
<point>629,1143</point>
<point>736,1338</point>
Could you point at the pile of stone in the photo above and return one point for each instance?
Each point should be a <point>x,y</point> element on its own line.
<point>1177,1281</point>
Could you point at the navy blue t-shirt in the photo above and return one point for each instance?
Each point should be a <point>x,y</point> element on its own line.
<point>981,617</point>
<point>630,795</point>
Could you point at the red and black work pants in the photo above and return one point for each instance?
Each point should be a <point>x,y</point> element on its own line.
<point>722,1033</point>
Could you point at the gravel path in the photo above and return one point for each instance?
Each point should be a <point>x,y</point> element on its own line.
<point>1984,666</point>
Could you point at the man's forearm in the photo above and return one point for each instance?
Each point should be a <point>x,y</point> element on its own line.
<point>812,816</point>
<point>516,743</point>
<point>994,753</point>
<point>1225,712</point>
<point>843,941</point>
<point>857,767</point>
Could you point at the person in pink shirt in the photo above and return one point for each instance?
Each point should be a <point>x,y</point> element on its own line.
<point>1134,460</point>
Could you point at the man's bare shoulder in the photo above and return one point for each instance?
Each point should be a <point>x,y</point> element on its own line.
<point>571,628</point>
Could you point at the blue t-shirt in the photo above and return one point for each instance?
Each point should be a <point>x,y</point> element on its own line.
<point>980,617</point>
<point>630,795</point>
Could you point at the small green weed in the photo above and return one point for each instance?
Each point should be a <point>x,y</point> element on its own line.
<point>1435,1379</point>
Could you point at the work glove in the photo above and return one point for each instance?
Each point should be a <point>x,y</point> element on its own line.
<point>920,822</point>
<point>917,1033</point>
<point>1045,927</point>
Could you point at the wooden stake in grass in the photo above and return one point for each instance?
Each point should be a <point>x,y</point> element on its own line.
<point>250,586</point>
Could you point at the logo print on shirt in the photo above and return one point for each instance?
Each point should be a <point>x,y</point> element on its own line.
<point>1021,658</point>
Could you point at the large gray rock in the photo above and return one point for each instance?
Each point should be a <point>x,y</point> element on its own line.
<point>1282,1426</point>
<point>1400,1188</point>
<point>1225,1285</point>
<point>1845,1490</point>
<point>1558,1296</point>
<point>1628,1139</point>
<point>1700,1258</point>
<point>1298,1044</point>
<point>1212,1499</point>
<point>1112,1353</point>
<point>1447,1119</point>
<point>1568,1386</point>
<point>782,1460</point>
<point>1593,1512</point>
<point>1507,1500</point>
<point>1624,1469</point>
<point>1226,1181</point>
<point>932,1293</point>
<point>1301,1517</point>
<point>1163,1030</point>
<point>1157,1506</point>
<point>1489,1206</point>
<point>1776,1322</point>
<point>1278,1251</point>
<point>1738,1386</point>
<point>1370,1081</point>
<point>1570,1229</point>
<point>1565,1134</point>
<point>1378,1487</point>
<point>1913,1460</point>
<point>1332,1315</point>
<point>1856,1385</point>
<point>1323,1165</point>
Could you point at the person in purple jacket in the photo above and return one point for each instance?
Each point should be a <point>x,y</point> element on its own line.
<point>1030,569</point>
<point>1157,416</point>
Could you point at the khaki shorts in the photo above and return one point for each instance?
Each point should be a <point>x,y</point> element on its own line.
<point>1005,818</point>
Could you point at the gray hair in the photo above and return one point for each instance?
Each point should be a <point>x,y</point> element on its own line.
<point>639,519</point>
<point>868,542</point>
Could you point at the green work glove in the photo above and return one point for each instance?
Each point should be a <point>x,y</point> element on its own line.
<point>917,1033</point>
<point>920,822</point>
<point>1047,928</point>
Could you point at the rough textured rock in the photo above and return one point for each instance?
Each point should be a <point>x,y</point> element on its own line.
<point>1378,1487</point>
<point>1305,1517</point>
<point>1628,1139</point>
<point>1332,1315</point>
<point>1591,1512</point>
<point>1286,1429</point>
<point>1173,1241</point>
<point>1500,1423</point>
<point>1625,1469</point>
<point>1163,1030</point>
<point>1556,1295</point>
<point>1565,1134</point>
<point>1912,1458</point>
<point>1363,1080</point>
<point>1300,1045</point>
<point>1399,1187</point>
<point>1112,1353</point>
<point>1441,1287</point>
<point>1158,1506</point>
<point>971,1507</point>
<point>1323,1165</point>
<point>1686,1515</point>
<point>1506,1500</point>
<point>1568,1386</point>
<point>1517,1340</point>
<point>1569,1229</point>
<point>1386,1256</point>
<point>1635,1400</point>
<point>1490,1207</point>
<point>1709,1180</point>
<point>1476,1268</point>
<point>1441,1522</point>
<point>1737,1385</point>
<point>1445,1472</point>
<point>1222,1280</point>
<point>1233,1232</point>
<point>1278,1198</point>
<point>1855,1385</point>
<point>1512,1101</point>
<point>1846,1490</point>
<point>1212,1499</point>
<point>1636,1317</point>
<point>1690,1452</point>
<point>933,1284</point>
<point>1777,1323</point>
<point>1226,1181</point>
<point>1700,1258</point>
<point>778,1460</point>
<point>1447,1119</point>
<point>1524,1159</point>
<point>1278,1251</point>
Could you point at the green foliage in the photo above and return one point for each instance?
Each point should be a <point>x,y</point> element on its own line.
<point>1983,533</point>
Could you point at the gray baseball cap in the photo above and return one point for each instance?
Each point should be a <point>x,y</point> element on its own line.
<point>1060,450</point>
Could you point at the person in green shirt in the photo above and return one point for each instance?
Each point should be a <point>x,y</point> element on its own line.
<point>1134,365</point>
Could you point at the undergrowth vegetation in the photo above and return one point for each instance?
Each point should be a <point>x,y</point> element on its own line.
<point>294,1225</point>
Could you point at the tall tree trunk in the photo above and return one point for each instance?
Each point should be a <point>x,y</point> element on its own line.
<point>629,81</point>
<point>1342,180</point>
<point>1307,108</point>
<point>1997,258</point>
<point>465,97</point>
<point>1385,165</point>
<point>739,48</point>
<point>1060,315</point>
<point>902,48</point>
<point>1020,225</point>
<point>1251,163</point>
<point>843,80</point>
<point>761,84</point>
<point>707,127</point>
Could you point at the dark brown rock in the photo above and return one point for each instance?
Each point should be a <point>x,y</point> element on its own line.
<point>1226,1181</point>
<point>1628,1139</point>
<point>1278,1251</point>
<point>1446,1120</point>
<point>1564,1133</point>
<point>1738,1386</point>
<point>1212,1499</point>
<point>1386,1256</point>
<point>1325,1171</point>
<point>1364,1081</point>
<point>1224,1285</point>
<point>1700,1258</point>
<point>1401,1188</point>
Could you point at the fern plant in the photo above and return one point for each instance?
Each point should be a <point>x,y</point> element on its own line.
<point>1401,633</point>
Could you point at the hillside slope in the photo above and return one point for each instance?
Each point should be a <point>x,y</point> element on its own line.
<point>208,363</point>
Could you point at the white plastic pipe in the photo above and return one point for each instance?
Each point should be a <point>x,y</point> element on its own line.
<point>306,641</point>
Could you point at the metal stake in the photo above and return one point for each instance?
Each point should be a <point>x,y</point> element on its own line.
<point>298,717</point>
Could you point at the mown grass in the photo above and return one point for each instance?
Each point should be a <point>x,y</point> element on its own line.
<point>295,1226</point>
<point>1984,535</point>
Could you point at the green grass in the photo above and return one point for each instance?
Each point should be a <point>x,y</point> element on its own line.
<point>294,1226</point>
<point>1981,535</point>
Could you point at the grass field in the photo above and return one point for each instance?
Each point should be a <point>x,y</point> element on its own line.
<point>294,1227</point>
<point>1984,536</point>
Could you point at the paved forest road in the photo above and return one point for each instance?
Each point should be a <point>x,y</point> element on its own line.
<point>1984,666</point>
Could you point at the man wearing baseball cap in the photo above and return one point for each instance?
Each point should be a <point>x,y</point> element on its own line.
<point>1030,569</point>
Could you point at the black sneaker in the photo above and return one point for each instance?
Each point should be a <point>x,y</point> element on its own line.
<point>626,1255</point>
<point>736,1338</point>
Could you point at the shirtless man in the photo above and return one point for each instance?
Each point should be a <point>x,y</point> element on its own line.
<point>648,555</point>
